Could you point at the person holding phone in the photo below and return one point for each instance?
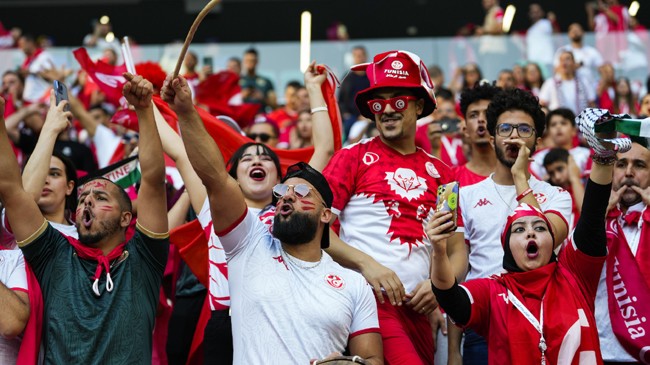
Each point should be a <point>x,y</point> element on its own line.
<point>541,310</point>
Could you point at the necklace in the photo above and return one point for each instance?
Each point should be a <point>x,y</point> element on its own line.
<point>295,263</point>
<point>496,188</point>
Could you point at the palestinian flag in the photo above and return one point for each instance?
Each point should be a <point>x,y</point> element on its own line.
<point>124,173</point>
<point>631,127</point>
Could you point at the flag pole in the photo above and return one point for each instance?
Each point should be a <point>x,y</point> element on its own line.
<point>190,34</point>
<point>128,56</point>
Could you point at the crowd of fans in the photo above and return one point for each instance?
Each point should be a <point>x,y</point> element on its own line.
<point>512,143</point>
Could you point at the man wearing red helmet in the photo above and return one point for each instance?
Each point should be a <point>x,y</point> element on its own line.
<point>384,193</point>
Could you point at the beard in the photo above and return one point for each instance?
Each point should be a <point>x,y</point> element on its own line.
<point>106,229</point>
<point>501,156</point>
<point>299,229</point>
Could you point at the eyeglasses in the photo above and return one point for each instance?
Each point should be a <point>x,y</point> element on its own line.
<point>523,130</point>
<point>398,103</point>
<point>301,190</point>
<point>264,137</point>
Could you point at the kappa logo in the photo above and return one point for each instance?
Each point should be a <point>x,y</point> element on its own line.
<point>397,65</point>
<point>405,183</point>
<point>335,281</point>
<point>483,202</point>
<point>431,170</point>
<point>370,157</point>
<point>541,198</point>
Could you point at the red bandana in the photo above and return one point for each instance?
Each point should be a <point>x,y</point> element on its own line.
<point>103,261</point>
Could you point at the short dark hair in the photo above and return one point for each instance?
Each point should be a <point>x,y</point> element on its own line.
<point>471,95</point>
<point>562,112</point>
<point>251,51</point>
<point>99,106</point>
<point>70,175</point>
<point>233,162</point>
<point>122,197</point>
<point>21,78</point>
<point>444,94</point>
<point>556,155</point>
<point>515,99</point>
<point>294,84</point>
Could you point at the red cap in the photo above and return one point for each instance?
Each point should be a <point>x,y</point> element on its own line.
<point>396,69</point>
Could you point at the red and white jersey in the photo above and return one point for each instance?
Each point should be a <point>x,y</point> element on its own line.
<point>465,176</point>
<point>581,155</point>
<point>14,277</point>
<point>569,325</point>
<point>289,311</point>
<point>218,290</point>
<point>384,200</point>
<point>485,207</point>
<point>452,152</point>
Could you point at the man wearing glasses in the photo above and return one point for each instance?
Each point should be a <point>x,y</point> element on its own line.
<point>291,303</point>
<point>516,122</point>
<point>384,192</point>
<point>264,131</point>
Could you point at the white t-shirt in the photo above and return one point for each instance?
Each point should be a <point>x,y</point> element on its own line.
<point>14,277</point>
<point>8,241</point>
<point>581,155</point>
<point>485,207</point>
<point>283,313</point>
<point>384,200</point>
<point>588,56</point>
<point>609,345</point>
<point>35,86</point>
<point>556,93</point>
<point>539,42</point>
<point>218,291</point>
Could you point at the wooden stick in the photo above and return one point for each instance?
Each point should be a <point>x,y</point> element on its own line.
<point>190,34</point>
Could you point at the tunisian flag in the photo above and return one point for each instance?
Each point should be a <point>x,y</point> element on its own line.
<point>108,78</point>
<point>221,93</point>
<point>190,238</point>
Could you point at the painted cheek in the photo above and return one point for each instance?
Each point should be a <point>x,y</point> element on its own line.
<point>106,208</point>
<point>307,205</point>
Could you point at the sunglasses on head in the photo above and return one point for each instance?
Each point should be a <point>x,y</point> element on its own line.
<point>398,103</point>
<point>264,137</point>
<point>301,190</point>
<point>523,130</point>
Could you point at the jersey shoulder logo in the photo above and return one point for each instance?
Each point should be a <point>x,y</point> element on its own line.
<point>369,158</point>
<point>335,281</point>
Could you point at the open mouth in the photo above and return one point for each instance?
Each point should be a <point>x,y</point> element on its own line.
<point>286,209</point>
<point>532,250</point>
<point>87,218</point>
<point>257,174</point>
<point>512,150</point>
<point>481,131</point>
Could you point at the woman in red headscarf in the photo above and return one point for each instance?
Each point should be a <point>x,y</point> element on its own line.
<point>541,310</point>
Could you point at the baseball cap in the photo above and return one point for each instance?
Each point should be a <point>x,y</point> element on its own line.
<point>400,69</point>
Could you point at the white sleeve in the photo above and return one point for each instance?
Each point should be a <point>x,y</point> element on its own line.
<point>15,276</point>
<point>244,234</point>
<point>204,216</point>
<point>365,312</point>
<point>546,90</point>
<point>560,203</point>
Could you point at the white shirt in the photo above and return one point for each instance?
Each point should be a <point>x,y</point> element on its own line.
<point>581,155</point>
<point>106,143</point>
<point>539,42</point>
<point>14,277</point>
<point>8,240</point>
<point>556,93</point>
<point>486,206</point>
<point>587,56</point>
<point>283,313</point>
<point>609,345</point>
<point>35,86</point>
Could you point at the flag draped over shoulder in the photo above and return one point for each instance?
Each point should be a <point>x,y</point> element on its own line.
<point>108,78</point>
<point>124,173</point>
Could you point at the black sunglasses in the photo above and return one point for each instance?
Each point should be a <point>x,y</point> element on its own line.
<point>264,137</point>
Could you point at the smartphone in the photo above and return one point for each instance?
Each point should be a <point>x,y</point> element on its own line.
<point>61,93</point>
<point>207,61</point>
<point>447,201</point>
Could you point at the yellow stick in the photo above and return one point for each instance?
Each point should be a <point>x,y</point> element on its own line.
<point>190,34</point>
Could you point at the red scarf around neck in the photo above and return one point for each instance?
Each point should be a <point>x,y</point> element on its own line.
<point>628,287</point>
<point>103,261</point>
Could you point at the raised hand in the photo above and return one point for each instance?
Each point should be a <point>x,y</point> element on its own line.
<point>315,74</point>
<point>523,157</point>
<point>57,119</point>
<point>615,197</point>
<point>644,193</point>
<point>439,223</point>
<point>176,92</point>
<point>137,91</point>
